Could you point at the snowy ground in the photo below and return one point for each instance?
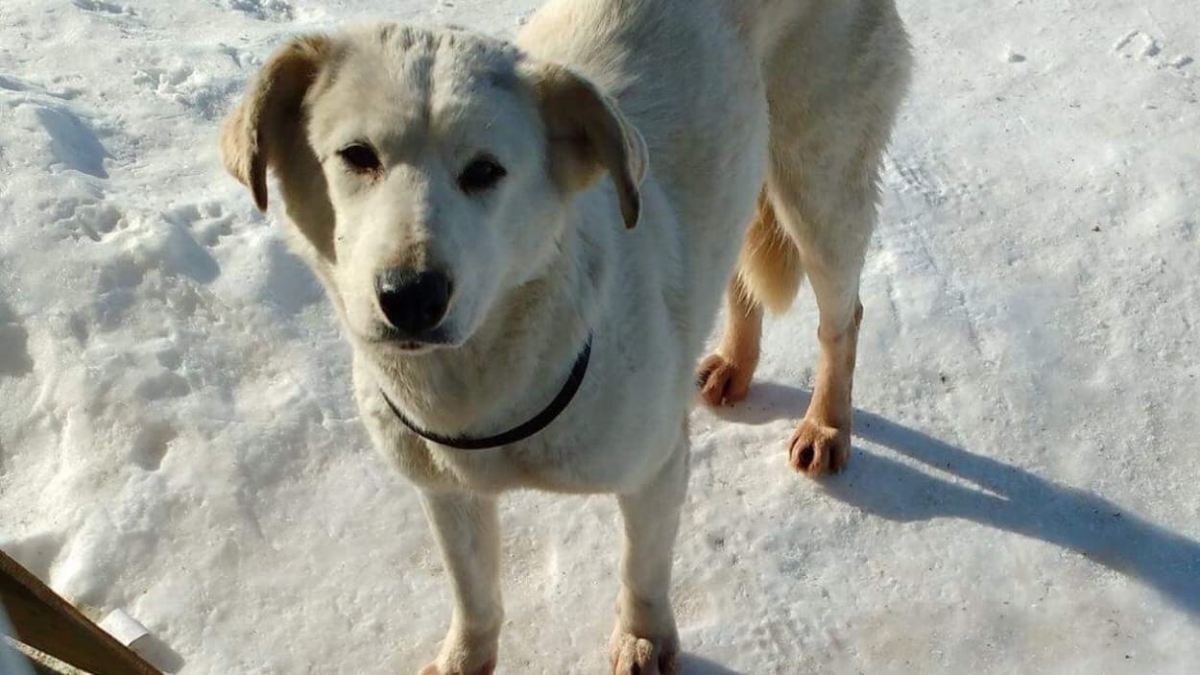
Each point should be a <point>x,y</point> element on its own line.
<point>177,436</point>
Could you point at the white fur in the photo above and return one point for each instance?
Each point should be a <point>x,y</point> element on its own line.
<point>545,260</point>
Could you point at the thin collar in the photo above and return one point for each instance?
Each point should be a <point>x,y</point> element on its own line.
<point>532,426</point>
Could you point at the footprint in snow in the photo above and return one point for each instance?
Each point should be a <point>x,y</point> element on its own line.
<point>105,7</point>
<point>96,220</point>
<point>189,87</point>
<point>151,442</point>
<point>10,83</point>
<point>207,222</point>
<point>263,10</point>
<point>73,144</point>
<point>1142,47</point>
<point>15,360</point>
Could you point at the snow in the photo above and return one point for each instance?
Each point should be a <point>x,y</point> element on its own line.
<point>178,441</point>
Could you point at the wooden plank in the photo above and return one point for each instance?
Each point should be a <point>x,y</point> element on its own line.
<point>46,622</point>
<point>39,662</point>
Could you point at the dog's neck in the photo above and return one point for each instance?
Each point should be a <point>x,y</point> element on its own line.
<point>516,362</point>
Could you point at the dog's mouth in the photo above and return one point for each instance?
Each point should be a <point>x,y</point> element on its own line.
<point>412,344</point>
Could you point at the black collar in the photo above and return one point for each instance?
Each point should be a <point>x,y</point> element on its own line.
<point>532,426</point>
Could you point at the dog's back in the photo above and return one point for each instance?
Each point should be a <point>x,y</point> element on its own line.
<point>679,70</point>
<point>701,78</point>
<point>789,100</point>
<point>687,78</point>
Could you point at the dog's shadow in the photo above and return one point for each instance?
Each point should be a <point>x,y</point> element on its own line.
<point>1009,498</point>
<point>690,664</point>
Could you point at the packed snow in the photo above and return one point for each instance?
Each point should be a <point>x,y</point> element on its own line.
<point>178,439</point>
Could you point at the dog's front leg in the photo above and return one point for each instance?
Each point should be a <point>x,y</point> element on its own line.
<point>467,529</point>
<point>644,641</point>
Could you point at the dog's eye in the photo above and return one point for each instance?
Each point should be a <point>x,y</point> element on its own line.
<point>360,158</point>
<point>481,174</point>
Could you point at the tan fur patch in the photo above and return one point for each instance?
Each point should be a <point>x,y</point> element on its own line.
<point>769,266</point>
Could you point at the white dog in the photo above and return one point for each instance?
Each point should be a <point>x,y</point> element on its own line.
<point>470,206</point>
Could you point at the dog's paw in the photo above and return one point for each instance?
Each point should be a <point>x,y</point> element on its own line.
<point>817,449</point>
<point>632,655</point>
<point>722,381</point>
<point>434,669</point>
<point>468,652</point>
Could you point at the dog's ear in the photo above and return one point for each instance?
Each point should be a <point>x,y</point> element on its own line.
<point>587,135</point>
<point>254,135</point>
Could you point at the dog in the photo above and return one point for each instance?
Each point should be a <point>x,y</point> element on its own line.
<point>527,244</point>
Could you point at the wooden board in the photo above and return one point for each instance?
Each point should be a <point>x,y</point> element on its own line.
<point>46,622</point>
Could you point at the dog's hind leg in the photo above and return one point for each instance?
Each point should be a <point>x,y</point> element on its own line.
<point>467,529</point>
<point>833,260</point>
<point>782,245</point>
<point>822,182</point>
<point>830,124</point>
<point>834,82</point>
<point>768,274</point>
<point>644,639</point>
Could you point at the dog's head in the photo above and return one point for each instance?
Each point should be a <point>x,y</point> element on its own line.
<point>428,172</point>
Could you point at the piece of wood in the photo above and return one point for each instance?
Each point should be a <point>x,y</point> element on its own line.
<point>39,662</point>
<point>46,622</point>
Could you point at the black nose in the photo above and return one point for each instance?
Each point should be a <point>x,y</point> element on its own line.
<point>413,302</point>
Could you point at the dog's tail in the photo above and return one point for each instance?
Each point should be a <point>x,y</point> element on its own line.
<point>768,268</point>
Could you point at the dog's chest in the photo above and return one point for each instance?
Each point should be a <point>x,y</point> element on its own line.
<point>624,419</point>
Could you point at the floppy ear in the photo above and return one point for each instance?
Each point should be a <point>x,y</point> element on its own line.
<point>587,135</point>
<point>255,134</point>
